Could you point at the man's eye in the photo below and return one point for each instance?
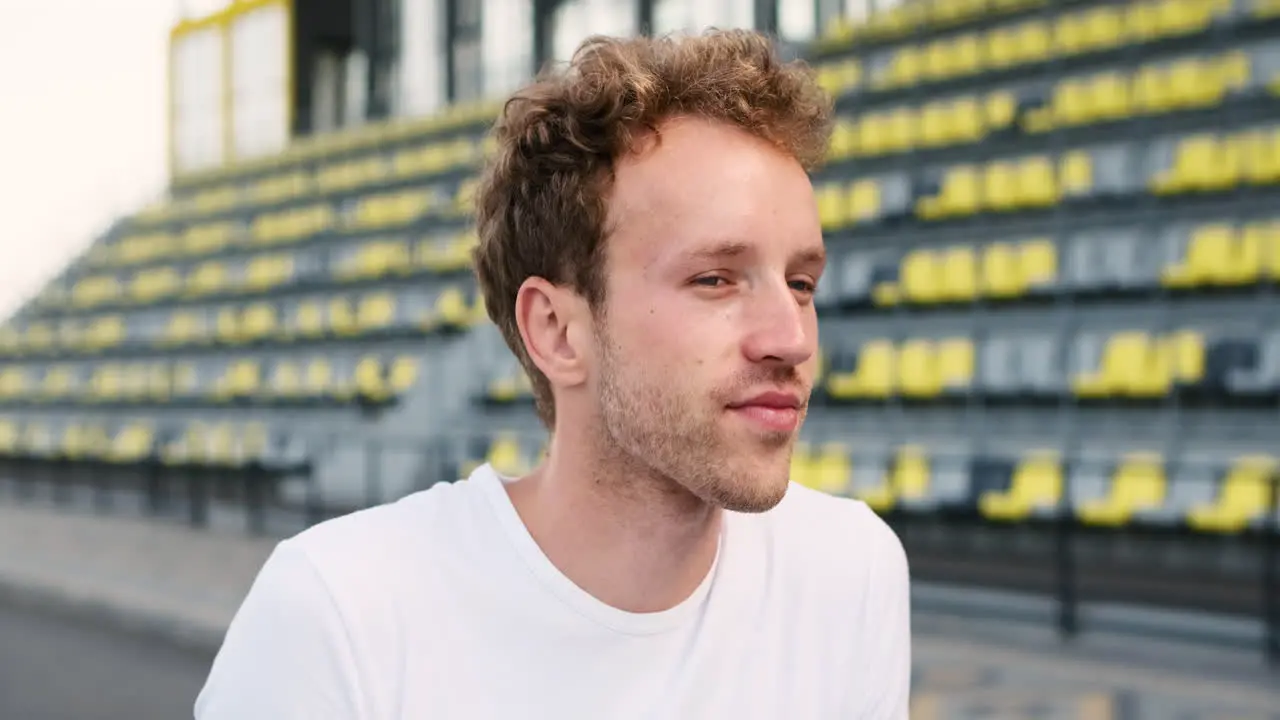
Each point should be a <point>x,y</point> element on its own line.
<point>803,286</point>
<point>710,281</point>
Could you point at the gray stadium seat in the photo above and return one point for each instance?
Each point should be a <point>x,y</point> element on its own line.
<point>1264,377</point>
<point>1084,269</point>
<point>998,365</point>
<point>895,195</point>
<point>1128,263</point>
<point>949,485</point>
<point>1114,172</point>
<point>1191,482</point>
<point>1039,364</point>
<point>1089,478</point>
<point>853,278</point>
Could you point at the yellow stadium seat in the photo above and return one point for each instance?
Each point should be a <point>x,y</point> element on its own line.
<point>450,311</point>
<point>105,332</point>
<point>1070,34</point>
<point>183,328</point>
<point>442,254</point>
<point>902,130</point>
<point>938,61</point>
<point>342,318</point>
<point>1001,275</point>
<point>1001,191</point>
<point>133,443</point>
<point>935,125</point>
<point>286,380</point>
<point>905,69</point>
<point>1034,43</point>
<point>186,381</point>
<point>1001,109</point>
<point>955,364</point>
<point>40,337</point>
<point>268,271</point>
<point>1075,175</point>
<point>1260,157</point>
<point>403,374</point>
<point>1124,355</point>
<point>1186,356</point>
<point>966,55</point>
<point>258,322</point>
<point>918,369</point>
<point>1003,48</point>
<point>278,188</point>
<point>910,474</point>
<point>209,238</point>
<point>874,134</point>
<point>242,379</point>
<point>318,380</point>
<point>376,313</point>
<point>959,195</point>
<point>844,139</point>
<point>1037,182</point>
<point>831,206</point>
<point>10,432</point>
<point>1138,484</point>
<point>1245,496</point>
<point>1152,90</point>
<point>839,77</point>
<point>1208,259</point>
<point>1138,365</point>
<point>309,320</point>
<point>959,274</point>
<point>1104,28</point>
<point>873,376</point>
<point>507,457</point>
<point>921,278</point>
<point>207,278</point>
<point>864,202</point>
<point>370,379</point>
<point>831,470</point>
<point>966,120</point>
<point>1039,263</point>
<point>228,325</point>
<point>1036,485</point>
<point>1202,163</point>
<point>1262,239</point>
<point>1071,104</point>
<point>1109,97</point>
<point>151,285</point>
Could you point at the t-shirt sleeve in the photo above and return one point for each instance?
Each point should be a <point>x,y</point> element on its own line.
<point>885,682</point>
<point>286,654</point>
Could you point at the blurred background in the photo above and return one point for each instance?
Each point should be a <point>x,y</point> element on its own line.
<point>235,301</point>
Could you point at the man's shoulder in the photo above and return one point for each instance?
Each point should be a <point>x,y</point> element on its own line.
<point>374,542</point>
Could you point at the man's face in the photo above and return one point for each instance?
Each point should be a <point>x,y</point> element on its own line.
<point>708,338</point>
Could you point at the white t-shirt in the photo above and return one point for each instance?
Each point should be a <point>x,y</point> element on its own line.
<point>441,606</point>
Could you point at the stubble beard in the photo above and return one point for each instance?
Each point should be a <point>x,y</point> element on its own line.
<point>659,435</point>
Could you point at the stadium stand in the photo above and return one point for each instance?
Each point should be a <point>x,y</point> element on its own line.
<point>1052,292</point>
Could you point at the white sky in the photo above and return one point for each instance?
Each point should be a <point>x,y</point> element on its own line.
<point>82,125</point>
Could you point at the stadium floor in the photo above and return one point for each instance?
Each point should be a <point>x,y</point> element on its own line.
<point>55,664</point>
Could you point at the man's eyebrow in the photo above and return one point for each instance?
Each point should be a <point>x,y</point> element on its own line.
<point>735,248</point>
<point>720,250</point>
<point>812,256</point>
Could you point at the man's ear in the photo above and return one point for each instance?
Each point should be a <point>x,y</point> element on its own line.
<point>551,321</point>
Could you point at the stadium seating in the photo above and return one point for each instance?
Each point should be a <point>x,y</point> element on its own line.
<point>1042,218</point>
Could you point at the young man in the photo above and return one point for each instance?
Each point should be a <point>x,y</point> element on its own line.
<point>649,247</point>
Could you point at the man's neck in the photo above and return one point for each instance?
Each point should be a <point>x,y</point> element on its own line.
<point>634,542</point>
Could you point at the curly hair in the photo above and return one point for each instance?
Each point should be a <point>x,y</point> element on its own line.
<point>541,199</point>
